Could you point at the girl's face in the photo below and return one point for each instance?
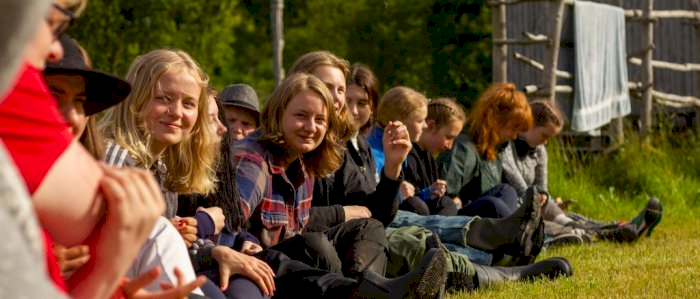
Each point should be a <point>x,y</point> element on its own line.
<point>304,123</point>
<point>240,122</point>
<point>437,140</point>
<point>216,126</point>
<point>173,110</point>
<point>538,135</point>
<point>334,79</point>
<point>415,123</point>
<point>358,104</point>
<point>69,91</point>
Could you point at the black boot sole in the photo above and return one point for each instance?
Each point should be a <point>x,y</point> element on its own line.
<point>434,276</point>
<point>530,226</point>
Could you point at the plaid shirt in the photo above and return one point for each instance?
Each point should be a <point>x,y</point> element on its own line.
<point>276,204</point>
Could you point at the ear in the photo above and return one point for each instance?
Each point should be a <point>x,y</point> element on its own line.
<point>432,124</point>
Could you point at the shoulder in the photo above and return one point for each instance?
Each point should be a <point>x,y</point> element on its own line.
<point>116,155</point>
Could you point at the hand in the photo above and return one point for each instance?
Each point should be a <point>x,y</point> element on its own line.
<point>250,248</point>
<point>356,212</point>
<point>458,202</point>
<point>397,144</point>
<point>72,258</point>
<point>134,289</point>
<point>407,190</point>
<point>216,214</point>
<point>542,199</point>
<point>187,227</point>
<point>232,262</point>
<point>438,189</point>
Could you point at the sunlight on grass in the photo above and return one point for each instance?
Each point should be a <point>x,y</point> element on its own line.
<point>616,187</point>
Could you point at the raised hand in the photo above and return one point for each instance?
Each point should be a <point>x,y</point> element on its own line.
<point>397,144</point>
<point>232,262</point>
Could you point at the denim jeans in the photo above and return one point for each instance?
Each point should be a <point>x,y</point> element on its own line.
<point>452,231</point>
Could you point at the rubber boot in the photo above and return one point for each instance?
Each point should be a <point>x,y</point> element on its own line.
<point>426,281</point>
<point>550,268</point>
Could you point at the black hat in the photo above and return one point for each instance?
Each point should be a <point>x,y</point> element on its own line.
<point>240,95</point>
<point>103,90</point>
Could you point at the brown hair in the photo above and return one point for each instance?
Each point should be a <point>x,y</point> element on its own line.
<point>399,103</point>
<point>501,106</point>
<point>445,111</point>
<point>326,158</point>
<point>363,77</point>
<point>92,139</point>
<point>545,112</point>
<point>307,63</point>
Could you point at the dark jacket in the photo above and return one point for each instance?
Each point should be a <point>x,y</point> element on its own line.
<point>354,183</point>
<point>421,170</point>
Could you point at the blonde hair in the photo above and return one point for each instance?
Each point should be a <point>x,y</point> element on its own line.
<point>501,106</point>
<point>399,103</point>
<point>190,163</point>
<point>445,111</point>
<point>326,158</point>
<point>77,6</point>
<point>307,63</point>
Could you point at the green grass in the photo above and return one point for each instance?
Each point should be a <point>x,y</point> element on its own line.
<point>615,187</point>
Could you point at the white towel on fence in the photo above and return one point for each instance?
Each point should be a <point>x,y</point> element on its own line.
<point>601,92</point>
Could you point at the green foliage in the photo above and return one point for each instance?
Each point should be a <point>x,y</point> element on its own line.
<point>441,48</point>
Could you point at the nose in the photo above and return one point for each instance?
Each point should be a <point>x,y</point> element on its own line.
<point>353,109</point>
<point>55,51</point>
<point>310,126</point>
<point>221,130</point>
<point>175,109</point>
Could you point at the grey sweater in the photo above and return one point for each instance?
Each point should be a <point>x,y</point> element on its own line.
<point>524,166</point>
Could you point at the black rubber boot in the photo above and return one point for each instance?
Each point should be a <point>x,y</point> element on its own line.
<point>550,268</point>
<point>427,281</point>
<point>512,235</point>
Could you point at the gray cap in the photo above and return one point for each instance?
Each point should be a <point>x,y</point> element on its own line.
<point>240,95</point>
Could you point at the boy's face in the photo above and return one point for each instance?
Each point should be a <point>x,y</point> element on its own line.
<point>241,122</point>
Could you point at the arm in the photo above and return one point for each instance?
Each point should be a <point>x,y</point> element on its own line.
<point>322,218</point>
<point>72,182</point>
<point>251,182</point>
<point>458,166</point>
<point>541,168</point>
<point>510,171</point>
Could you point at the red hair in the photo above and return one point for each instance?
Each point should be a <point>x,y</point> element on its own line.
<point>500,107</point>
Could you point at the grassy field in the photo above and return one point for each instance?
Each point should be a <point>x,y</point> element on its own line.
<point>615,187</point>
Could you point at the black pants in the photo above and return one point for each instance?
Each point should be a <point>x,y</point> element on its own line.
<point>293,279</point>
<point>440,206</point>
<point>498,202</point>
<point>348,248</point>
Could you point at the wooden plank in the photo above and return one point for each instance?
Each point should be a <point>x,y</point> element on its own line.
<point>500,51</point>
<point>508,2</point>
<point>277,40</point>
<point>519,42</point>
<point>540,66</point>
<point>549,80</point>
<point>680,67</point>
<point>687,101</point>
<point>662,14</point>
<point>647,72</point>
<point>537,37</point>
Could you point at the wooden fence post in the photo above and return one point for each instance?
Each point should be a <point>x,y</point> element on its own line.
<point>549,78</point>
<point>647,71</point>
<point>500,51</point>
<point>277,39</point>
<point>616,125</point>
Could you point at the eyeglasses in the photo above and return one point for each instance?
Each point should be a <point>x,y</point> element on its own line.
<point>60,27</point>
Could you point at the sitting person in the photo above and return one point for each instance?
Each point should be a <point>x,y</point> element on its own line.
<point>471,168</point>
<point>242,109</point>
<point>525,165</point>
<point>444,122</point>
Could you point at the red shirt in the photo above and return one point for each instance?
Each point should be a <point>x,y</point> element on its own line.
<point>35,135</point>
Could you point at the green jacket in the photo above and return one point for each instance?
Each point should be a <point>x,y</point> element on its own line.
<point>468,175</point>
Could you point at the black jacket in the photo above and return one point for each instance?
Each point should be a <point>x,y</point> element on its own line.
<point>354,183</point>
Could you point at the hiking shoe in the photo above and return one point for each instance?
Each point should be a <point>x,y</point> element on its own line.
<point>564,239</point>
<point>622,234</point>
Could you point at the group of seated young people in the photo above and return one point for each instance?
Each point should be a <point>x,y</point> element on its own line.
<point>180,191</point>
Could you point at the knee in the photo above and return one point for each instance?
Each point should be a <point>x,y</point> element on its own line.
<point>368,229</point>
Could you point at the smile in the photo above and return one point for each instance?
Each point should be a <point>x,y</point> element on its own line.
<point>170,125</point>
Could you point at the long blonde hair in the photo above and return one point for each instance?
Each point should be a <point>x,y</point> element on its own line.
<point>326,158</point>
<point>307,63</point>
<point>190,163</point>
